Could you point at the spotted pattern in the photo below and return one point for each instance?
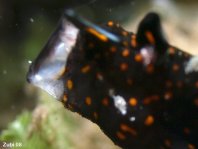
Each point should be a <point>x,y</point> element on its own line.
<point>133,101</point>
<point>69,84</point>
<point>149,120</point>
<point>133,86</point>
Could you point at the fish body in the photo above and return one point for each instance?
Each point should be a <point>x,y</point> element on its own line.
<point>140,90</point>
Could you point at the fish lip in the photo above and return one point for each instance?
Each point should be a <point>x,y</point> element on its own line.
<point>29,74</point>
<point>28,78</point>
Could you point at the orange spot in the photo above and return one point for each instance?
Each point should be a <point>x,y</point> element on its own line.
<point>138,58</point>
<point>97,34</point>
<point>60,73</point>
<point>168,95</point>
<point>129,81</point>
<point>147,101</point>
<point>191,146</point>
<point>150,37</point>
<point>155,97</point>
<point>120,135</point>
<point>133,41</point>
<point>124,33</point>
<point>85,69</point>
<point>196,84</point>
<point>63,71</point>
<point>196,102</point>
<point>88,101</point>
<point>187,131</point>
<point>69,84</point>
<point>110,23</point>
<point>150,99</point>
<point>175,67</point>
<point>125,53</point>
<point>133,101</point>
<point>168,143</point>
<point>150,68</point>
<point>113,49</point>
<point>171,51</point>
<point>65,98</point>
<point>123,66</point>
<point>149,120</point>
<point>126,128</point>
<point>105,102</point>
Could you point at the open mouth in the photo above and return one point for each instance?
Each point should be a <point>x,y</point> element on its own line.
<point>47,69</point>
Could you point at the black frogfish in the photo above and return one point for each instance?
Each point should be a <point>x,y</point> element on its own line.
<point>140,90</point>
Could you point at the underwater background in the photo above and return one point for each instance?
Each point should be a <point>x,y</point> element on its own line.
<point>32,117</point>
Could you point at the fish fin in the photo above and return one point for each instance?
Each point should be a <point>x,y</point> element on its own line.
<point>150,33</point>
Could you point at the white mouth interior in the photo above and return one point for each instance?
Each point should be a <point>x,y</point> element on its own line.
<point>47,70</point>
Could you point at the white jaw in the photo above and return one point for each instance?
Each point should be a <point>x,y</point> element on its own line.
<point>47,70</point>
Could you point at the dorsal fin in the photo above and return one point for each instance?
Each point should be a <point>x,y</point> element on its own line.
<point>150,32</point>
<point>93,29</point>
